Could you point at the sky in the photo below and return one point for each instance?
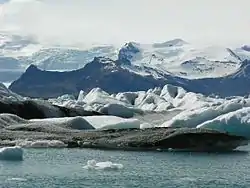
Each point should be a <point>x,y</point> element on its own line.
<point>119,21</point>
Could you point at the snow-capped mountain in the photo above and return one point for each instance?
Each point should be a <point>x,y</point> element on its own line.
<point>176,57</point>
<point>101,72</point>
<point>114,76</point>
<point>184,59</point>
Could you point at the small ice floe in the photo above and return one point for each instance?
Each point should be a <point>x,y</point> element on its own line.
<point>190,179</point>
<point>11,153</point>
<point>17,179</point>
<point>93,165</point>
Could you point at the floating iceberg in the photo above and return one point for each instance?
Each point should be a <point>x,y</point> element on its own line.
<point>11,153</point>
<point>93,165</point>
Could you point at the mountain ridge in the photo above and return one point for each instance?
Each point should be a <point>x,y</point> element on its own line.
<point>110,76</point>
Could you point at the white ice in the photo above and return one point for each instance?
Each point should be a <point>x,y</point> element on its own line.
<point>236,123</point>
<point>112,122</point>
<point>93,165</point>
<point>11,153</point>
<point>17,179</point>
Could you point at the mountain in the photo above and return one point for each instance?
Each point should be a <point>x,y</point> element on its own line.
<point>101,72</point>
<point>176,56</point>
<point>112,77</point>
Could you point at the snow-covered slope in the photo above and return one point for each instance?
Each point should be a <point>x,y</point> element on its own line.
<point>66,58</point>
<point>184,59</point>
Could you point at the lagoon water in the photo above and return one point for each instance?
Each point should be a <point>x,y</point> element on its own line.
<point>63,168</point>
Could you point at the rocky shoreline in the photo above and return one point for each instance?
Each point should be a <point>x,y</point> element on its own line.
<point>161,139</point>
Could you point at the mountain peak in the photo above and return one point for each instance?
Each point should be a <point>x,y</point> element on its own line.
<point>170,43</point>
<point>32,68</point>
<point>246,48</point>
<point>129,51</point>
<point>243,71</point>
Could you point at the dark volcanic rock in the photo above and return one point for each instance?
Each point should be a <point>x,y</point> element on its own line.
<point>38,109</point>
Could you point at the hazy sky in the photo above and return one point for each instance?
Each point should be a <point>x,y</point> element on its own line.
<point>117,21</point>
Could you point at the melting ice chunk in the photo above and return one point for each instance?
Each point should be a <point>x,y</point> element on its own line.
<point>11,153</point>
<point>93,165</point>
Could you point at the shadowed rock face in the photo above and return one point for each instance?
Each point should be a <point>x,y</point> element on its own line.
<point>32,109</point>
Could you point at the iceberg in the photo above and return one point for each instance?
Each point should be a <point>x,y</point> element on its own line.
<point>236,123</point>
<point>193,117</point>
<point>11,153</point>
<point>112,122</point>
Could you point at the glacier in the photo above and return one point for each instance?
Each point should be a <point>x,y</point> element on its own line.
<point>170,106</point>
<point>177,108</point>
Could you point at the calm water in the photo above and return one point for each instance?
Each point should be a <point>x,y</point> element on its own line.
<point>48,168</point>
